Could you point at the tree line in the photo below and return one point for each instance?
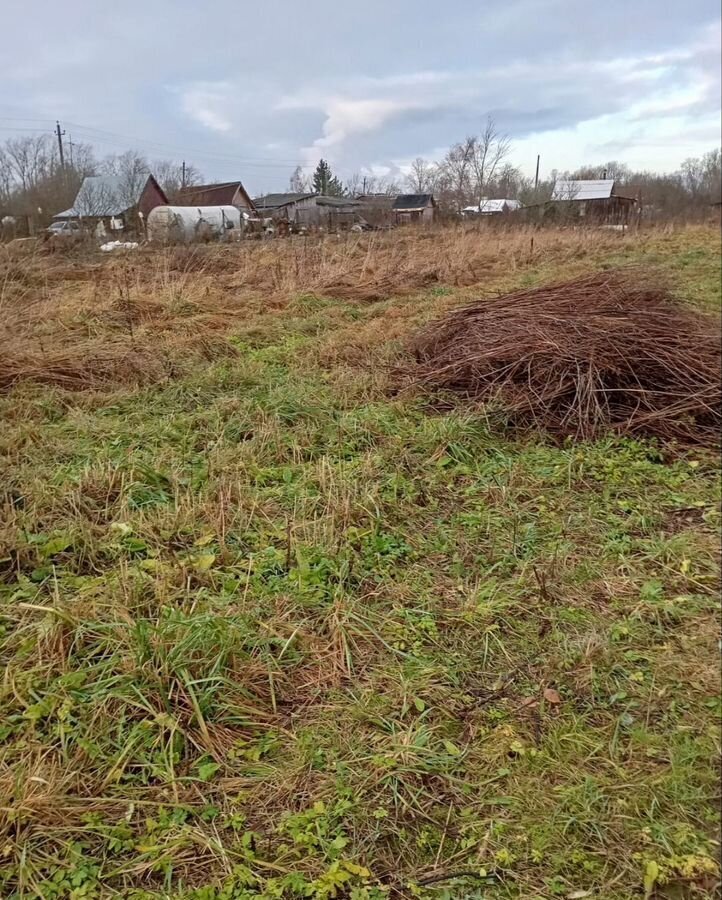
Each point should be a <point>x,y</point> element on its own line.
<point>478,168</point>
<point>34,182</point>
<point>324,182</point>
<point>473,170</point>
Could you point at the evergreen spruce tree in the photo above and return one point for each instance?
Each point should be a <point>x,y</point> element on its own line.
<point>325,182</point>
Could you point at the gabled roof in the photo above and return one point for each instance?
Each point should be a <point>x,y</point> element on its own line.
<point>409,202</point>
<point>274,201</point>
<point>322,200</point>
<point>221,194</point>
<point>600,189</point>
<point>105,195</point>
<point>108,195</point>
<point>382,201</point>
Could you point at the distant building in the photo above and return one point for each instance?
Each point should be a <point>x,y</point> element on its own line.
<point>377,209</point>
<point>284,206</point>
<point>491,207</point>
<point>598,200</point>
<point>313,210</point>
<point>414,208</point>
<point>120,202</point>
<point>225,193</point>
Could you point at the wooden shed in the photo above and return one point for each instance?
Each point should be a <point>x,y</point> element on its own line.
<point>419,208</point>
<point>308,210</point>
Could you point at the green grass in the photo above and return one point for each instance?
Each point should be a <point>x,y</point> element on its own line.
<point>272,632</point>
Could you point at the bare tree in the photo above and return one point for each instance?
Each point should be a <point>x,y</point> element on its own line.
<point>355,185</point>
<point>32,181</point>
<point>81,160</point>
<point>30,159</point>
<point>421,177</point>
<point>455,172</point>
<point>299,183</point>
<point>702,177</point>
<point>388,185</point>
<point>359,184</point>
<point>132,168</point>
<point>616,171</point>
<point>487,154</point>
<point>172,176</point>
<point>529,195</point>
<point>6,179</point>
<point>510,182</point>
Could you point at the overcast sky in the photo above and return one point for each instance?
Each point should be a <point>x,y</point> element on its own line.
<point>249,89</point>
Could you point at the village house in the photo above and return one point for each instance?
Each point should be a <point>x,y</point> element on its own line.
<point>420,208</point>
<point>119,202</point>
<point>596,200</point>
<point>225,193</point>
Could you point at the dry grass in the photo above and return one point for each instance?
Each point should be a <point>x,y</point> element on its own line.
<point>93,321</point>
<point>269,632</point>
<point>608,351</point>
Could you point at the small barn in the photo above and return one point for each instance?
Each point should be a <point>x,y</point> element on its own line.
<point>596,200</point>
<point>284,206</point>
<point>225,193</point>
<point>308,210</point>
<point>121,203</point>
<point>419,208</point>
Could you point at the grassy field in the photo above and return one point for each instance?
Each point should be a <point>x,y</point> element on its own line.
<point>273,629</point>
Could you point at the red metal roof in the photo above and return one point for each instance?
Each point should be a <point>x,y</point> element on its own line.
<point>222,194</point>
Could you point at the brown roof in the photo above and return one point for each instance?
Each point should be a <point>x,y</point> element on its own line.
<point>221,194</point>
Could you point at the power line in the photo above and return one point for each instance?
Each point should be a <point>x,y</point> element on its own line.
<point>26,130</point>
<point>23,119</point>
<point>115,139</point>
<point>92,134</point>
<point>198,155</point>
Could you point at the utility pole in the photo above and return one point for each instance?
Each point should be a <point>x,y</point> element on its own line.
<point>60,143</point>
<point>536,177</point>
<point>70,148</point>
<point>364,187</point>
<point>183,175</point>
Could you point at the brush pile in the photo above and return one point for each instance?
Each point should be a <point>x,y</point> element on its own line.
<point>612,351</point>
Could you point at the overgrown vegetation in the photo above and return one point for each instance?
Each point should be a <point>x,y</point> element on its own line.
<point>272,631</point>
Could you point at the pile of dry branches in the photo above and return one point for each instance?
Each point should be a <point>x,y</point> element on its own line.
<point>610,351</point>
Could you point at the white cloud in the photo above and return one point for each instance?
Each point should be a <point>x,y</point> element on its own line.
<point>346,118</point>
<point>564,105</point>
<point>206,102</point>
